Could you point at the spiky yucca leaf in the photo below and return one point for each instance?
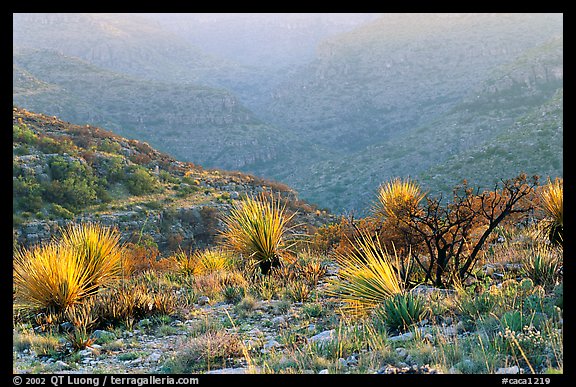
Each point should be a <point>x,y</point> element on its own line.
<point>366,275</point>
<point>553,205</point>
<point>99,247</point>
<point>258,227</point>
<point>398,197</point>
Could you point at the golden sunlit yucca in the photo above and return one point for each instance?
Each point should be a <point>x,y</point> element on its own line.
<point>553,205</point>
<point>62,273</point>
<point>258,228</point>
<point>366,276</point>
<point>397,198</point>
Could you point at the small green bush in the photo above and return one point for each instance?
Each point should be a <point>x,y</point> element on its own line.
<point>402,310</point>
<point>139,181</point>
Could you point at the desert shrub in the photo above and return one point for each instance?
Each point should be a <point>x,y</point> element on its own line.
<point>139,181</point>
<point>40,344</point>
<point>109,146</point>
<point>211,350</point>
<point>327,237</point>
<point>308,267</point>
<point>233,294</point>
<point>257,228</point>
<point>21,133</point>
<point>51,145</point>
<point>27,194</point>
<point>472,306</point>
<point>451,236</point>
<point>61,212</point>
<point>298,291</point>
<point>130,302</point>
<point>83,318</point>
<point>203,261</point>
<point>267,287</point>
<point>212,260</point>
<point>143,256</point>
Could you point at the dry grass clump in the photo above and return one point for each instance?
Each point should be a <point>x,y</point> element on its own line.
<point>204,262</point>
<point>210,350</point>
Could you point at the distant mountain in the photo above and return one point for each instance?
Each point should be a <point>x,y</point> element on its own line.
<point>120,42</point>
<point>398,72</point>
<point>406,93</point>
<point>194,123</point>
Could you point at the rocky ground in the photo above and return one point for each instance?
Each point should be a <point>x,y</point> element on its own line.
<point>272,332</point>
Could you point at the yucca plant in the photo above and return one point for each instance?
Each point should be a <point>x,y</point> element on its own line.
<point>402,310</point>
<point>62,273</point>
<point>212,260</point>
<point>398,198</point>
<point>553,205</point>
<point>49,278</point>
<point>258,227</point>
<point>367,275</point>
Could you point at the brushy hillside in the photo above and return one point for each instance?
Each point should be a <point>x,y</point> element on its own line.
<point>64,172</point>
<point>473,285</point>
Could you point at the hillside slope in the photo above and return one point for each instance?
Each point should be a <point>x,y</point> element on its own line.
<point>194,123</point>
<point>401,98</point>
<point>64,172</point>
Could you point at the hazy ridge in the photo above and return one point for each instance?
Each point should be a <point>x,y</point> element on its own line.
<point>439,97</point>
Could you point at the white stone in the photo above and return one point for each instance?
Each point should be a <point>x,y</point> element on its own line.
<point>403,337</point>
<point>154,357</point>
<point>323,336</point>
<point>508,370</point>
